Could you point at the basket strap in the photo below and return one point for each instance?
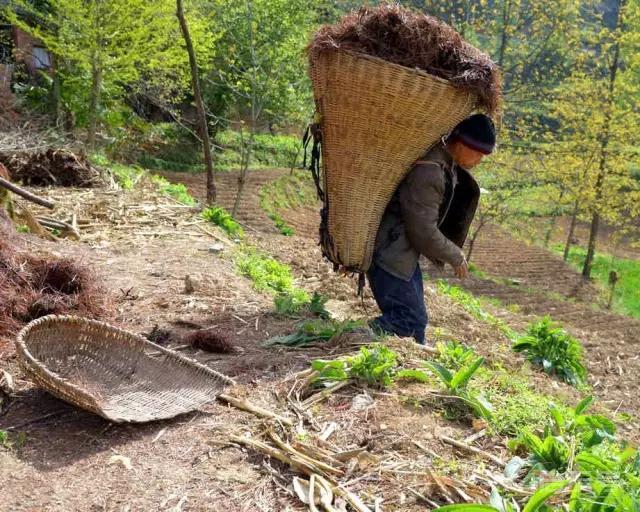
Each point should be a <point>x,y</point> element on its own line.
<point>313,133</point>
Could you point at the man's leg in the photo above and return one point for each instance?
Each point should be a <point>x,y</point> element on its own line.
<point>401,303</point>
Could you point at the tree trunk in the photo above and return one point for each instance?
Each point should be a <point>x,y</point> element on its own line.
<point>474,237</point>
<point>202,117</point>
<point>506,8</point>
<point>572,229</point>
<point>55,93</point>
<point>604,143</point>
<point>96,87</point>
<point>254,111</point>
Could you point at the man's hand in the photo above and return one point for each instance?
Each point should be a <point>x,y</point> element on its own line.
<point>462,270</point>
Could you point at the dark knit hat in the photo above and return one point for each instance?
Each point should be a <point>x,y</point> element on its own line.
<point>476,131</point>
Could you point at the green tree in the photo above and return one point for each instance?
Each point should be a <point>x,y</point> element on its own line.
<point>262,70</point>
<point>106,48</point>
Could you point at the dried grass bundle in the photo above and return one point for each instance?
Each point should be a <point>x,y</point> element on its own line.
<point>402,36</point>
<point>35,286</point>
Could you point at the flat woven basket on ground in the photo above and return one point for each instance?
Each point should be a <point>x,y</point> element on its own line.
<point>376,119</point>
<point>111,372</point>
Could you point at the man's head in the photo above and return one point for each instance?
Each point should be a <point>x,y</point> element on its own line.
<point>471,140</point>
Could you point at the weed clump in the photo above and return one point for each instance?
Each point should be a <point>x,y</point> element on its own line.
<point>221,217</point>
<point>313,331</point>
<point>548,345</point>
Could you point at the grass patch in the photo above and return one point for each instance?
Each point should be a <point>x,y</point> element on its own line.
<point>126,176</point>
<point>289,191</point>
<point>626,298</point>
<point>176,190</point>
<point>269,151</point>
<point>222,218</point>
<point>473,306</point>
<point>271,276</point>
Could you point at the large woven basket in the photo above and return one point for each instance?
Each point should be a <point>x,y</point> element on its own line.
<point>376,120</point>
<point>111,372</point>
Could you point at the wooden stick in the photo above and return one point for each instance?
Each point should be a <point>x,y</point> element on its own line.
<point>26,194</point>
<point>473,449</point>
<point>300,465</point>
<point>318,397</point>
<point>254,409</point>
<point>321,466</point>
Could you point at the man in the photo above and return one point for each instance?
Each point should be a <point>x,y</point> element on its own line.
<point>430,214</point>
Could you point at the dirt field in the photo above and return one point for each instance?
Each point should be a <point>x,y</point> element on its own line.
<point>143,247</point>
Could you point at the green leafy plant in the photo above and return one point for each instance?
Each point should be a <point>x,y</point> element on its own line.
<point>454,354</point>
<point>298,303</point>
<point>550,346</point>
<point>456,384</point>
<point>4,438</point>
<point>313,331</point>
<point>221,217</point>
<point>375,365</point>
<point>536,503</point>
<point>267,273</point>
<point>22,228</point>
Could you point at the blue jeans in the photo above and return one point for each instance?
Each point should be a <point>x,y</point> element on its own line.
<point>401,303</point>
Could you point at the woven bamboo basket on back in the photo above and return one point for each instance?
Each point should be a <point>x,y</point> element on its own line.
<point>111,372</point>
<point>376,119</point>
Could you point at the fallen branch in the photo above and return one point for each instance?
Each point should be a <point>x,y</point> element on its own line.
<point>473,449</point>
<point>26,194</point>
<point>318,397</point>
<point>247,406</point>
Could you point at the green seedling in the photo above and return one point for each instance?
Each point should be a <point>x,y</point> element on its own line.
<point>456,384</point>
<point>314,331</point>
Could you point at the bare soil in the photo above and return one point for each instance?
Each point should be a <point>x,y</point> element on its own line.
<point>144,247</point>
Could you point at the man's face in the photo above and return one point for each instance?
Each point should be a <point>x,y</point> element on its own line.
<point>465,156</point>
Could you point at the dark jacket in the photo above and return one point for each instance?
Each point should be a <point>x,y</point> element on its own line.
<point>429,214</point>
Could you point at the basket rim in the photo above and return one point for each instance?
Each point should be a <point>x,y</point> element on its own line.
<point>29,358</point>
<point>379,60</point>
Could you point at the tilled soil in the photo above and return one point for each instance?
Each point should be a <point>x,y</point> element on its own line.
<point>144,246</point>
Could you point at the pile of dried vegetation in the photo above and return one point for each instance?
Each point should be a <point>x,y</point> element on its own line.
<point>415,40</point>
<point>33,286</point>
<point>51,167</point>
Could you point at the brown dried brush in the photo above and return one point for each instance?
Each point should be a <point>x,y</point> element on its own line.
<point>35,286</point>
<point>415,40</point>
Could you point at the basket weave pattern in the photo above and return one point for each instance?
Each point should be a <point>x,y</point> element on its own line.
<point>377,118</point>
<point>108,371</point>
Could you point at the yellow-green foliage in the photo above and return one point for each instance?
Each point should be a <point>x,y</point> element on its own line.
<point>221,217</point>
<point>176,190</point>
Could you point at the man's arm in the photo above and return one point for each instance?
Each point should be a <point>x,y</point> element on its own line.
<point>420,198</point>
